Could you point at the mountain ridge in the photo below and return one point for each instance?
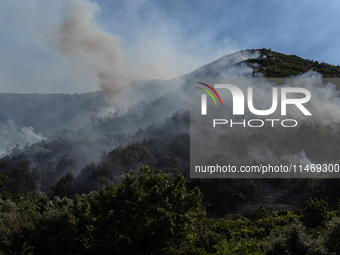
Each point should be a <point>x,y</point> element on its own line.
<point>84,127</point>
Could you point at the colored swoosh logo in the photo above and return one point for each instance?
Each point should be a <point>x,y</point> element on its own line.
<point>213,90</point>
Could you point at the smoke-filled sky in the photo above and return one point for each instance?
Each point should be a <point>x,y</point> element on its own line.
<point>80,46</point>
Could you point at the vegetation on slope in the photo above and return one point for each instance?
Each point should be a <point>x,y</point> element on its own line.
<point>278,65</point>
<point>157,211</point>
<point>151,215</point>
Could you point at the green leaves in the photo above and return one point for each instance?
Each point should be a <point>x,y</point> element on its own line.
<point>144,215</point>
<point>315,212</point>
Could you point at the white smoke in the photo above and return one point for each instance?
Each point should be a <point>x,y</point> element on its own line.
<point>324,104</point>
<point>13,136</point>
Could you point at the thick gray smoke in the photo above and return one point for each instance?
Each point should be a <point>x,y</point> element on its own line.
<point>79,39</point>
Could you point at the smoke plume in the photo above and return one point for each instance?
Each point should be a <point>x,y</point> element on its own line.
<point>12,136</point>
<point>79,39</point>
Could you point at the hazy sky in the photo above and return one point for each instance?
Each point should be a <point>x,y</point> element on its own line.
<point>157,39</point>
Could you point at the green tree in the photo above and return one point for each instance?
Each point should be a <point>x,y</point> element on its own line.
<point>63,186</point>
<point>145,215</point>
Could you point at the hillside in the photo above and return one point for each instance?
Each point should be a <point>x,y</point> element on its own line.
<point>87,128</point>
<point>278,65</point>
<point>59,145</point>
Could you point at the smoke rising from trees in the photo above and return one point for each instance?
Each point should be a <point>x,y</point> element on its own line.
<point>79,39</point>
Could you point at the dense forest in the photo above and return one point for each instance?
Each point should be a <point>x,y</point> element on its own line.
<point>119,182</point>
<point>279,65</point>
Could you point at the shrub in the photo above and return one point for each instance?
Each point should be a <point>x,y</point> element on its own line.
<point>260,213</point>
<point>294,240</point>
<point>315,213</point>
<point>333,238</point>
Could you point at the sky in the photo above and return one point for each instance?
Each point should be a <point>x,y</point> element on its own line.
<point>61,46</point>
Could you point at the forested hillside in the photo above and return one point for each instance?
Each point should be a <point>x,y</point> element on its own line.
<point>109,174</point>
<point>279,65</point>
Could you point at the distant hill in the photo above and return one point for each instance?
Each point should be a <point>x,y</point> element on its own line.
<point>139,103</point>
<point>48,113</point>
